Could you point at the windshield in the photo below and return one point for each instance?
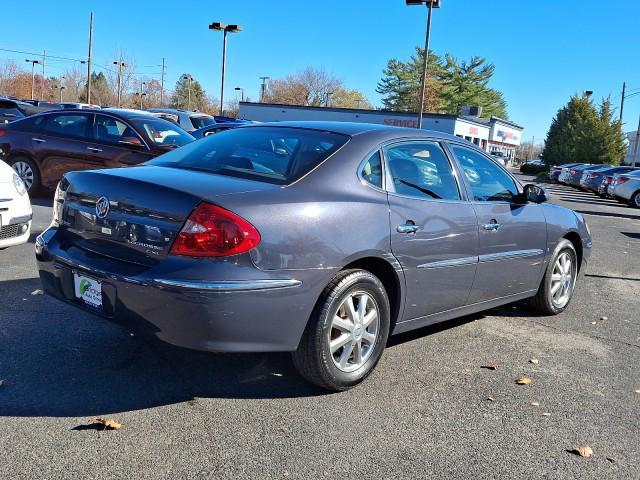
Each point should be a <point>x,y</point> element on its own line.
<point>162,132</point>
<point>200,121</point>
<point>278,155</point>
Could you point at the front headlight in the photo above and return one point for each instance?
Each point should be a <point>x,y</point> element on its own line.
<point>21,188</point>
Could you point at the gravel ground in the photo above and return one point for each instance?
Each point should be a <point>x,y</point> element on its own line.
<point>429,410</point>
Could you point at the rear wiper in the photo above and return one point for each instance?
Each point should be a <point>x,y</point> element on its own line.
<point>418,187</point>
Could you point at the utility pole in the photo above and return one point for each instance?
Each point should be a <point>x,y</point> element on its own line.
<point>61,89</point>
<point>120,65</point>
<point>263,88</point>
<point>624,90</point>
<point>44,81</point>
<point>142,84</point>
<point>634,157</point>
<point>89,58</point>
<point>33,75</point>
<point>162,84</point>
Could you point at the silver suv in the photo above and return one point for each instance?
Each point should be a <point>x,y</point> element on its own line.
<point>189,121</point>
<point>626,188</point>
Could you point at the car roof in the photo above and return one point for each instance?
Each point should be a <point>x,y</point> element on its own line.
<point>177,111</point>
<point>354,128</point>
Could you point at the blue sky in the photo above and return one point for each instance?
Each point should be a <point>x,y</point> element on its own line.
<point>543,50</point>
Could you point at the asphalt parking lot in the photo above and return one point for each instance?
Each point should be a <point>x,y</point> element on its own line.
<point>428,411</point>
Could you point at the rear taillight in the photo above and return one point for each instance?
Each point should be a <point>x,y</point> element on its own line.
<point>212,231</point>
<point>3,132</point>
<point>574,172</point>
<point>607,180</point>
<point>622,180</point>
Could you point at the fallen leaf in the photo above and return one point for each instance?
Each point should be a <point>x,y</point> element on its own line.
<point>593,323</point>
<point>37,292</point>
<point>523,380</point>
<point>491,399</point>
<point>491,366</point>
<point>611,459</point>
<point>109,424</point>
<point>604,318</point>
<point>534,361</point>
<point>584,451</point>
<point>637,391</point>
<point>546,414</point>
<point>535,404</point>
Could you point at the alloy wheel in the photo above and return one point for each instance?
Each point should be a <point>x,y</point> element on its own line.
<point>25,172</point>
<point>354,331</point>
<point>562,280</point>
<point>636,200</point>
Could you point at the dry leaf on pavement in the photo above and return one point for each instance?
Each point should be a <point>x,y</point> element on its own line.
<point>546,414</point>
<point>603,318</point>
<point>535,361</point>
<point>523,380</point>
<point>535,404</point>
<point>109,424</point>
<point>491,366</point>
<point>37,292</point>
<point>584,451</point>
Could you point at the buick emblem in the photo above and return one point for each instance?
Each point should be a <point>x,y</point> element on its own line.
<point>102,207</point>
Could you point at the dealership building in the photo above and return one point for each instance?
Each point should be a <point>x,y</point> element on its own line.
<point>491,134</point>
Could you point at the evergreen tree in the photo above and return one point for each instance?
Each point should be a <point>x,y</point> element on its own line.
<point>186,90</point>
<point>581,133</point>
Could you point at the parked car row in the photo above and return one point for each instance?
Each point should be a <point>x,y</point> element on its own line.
<point>608,181</point>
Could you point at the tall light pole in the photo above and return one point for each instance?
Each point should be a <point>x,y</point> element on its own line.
<point>263,88</point>
<point>142,94</point>
<point>162,83</point>
<point>634,157</point>
<point>241,90</point>
<point>431,4</point>
<point>61,89</point>
<point>189,78</point>
<point>89,58</point>
<point>225,29</point>
<point>120,65</point>
<point>33,74</point>
<point>328,100</point>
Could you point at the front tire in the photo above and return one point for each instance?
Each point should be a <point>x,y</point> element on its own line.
<point>28,171</point>
<point>557,286</point>
<point>347,332</point>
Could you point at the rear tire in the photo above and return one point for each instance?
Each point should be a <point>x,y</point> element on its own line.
<point>635,200</point>
<point>28,171</point>
<point>347,332</point>
<point>557,286</point>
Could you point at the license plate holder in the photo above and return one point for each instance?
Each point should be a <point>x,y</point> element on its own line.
<point>87,290</point>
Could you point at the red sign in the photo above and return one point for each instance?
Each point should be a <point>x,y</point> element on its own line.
<point>473,130</point>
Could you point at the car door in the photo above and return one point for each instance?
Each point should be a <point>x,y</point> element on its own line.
<point>116,144</point>
<point>512,234</point>
<point>434,231</point>
<point>61,146</point>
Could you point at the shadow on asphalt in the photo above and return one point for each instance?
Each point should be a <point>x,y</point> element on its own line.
<point>628,279</point>
<point>631,234</point>
<point>608,214</point>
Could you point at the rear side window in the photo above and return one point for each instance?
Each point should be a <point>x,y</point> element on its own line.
<point>200,121</point>
<point>372,170</point>
<point>421,170</point>
<point>278,155</point>
<point>69,125</point>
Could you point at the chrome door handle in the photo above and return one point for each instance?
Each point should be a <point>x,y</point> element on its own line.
<point>39,140</point>
<point>407,228</point>
<point>94,149</point>
<point>493,226</point>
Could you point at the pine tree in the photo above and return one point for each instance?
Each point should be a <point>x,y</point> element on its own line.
<point>188,94</point>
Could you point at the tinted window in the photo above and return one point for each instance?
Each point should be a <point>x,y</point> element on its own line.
<point>372,170</point>
<point>421,169</point>
<point>162,132</point>
<point>110,130</point>
<point>202,121</point>
<point>70,125</point>
<point>272,154</point>
<point>488,181</point>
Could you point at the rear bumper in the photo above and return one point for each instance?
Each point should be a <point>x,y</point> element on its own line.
<point>268,312</point>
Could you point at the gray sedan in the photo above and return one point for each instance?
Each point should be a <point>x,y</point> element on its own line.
<point>626,188</point>
<point>322,239</point>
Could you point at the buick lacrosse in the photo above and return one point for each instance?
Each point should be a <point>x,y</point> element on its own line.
<point>321,239</point>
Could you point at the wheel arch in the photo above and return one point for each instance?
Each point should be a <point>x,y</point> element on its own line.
<point>576,241</point>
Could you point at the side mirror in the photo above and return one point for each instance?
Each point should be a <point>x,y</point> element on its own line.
<point>535,194</point>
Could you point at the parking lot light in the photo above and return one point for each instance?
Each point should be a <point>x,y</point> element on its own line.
<point>224,28</point>
<point>431,4</point>
<point>33,74</point>
<point>241,90</point>
<point>189,79</point>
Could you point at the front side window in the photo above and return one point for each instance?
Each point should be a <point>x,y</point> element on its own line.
<point>110,130</point>
<point>162,132</point>
<point>488,181</point>
<point>421,170</point>
<point>200,121</point>
<point>69,125</point>
<point>278,155</point>
<point>372,170</point>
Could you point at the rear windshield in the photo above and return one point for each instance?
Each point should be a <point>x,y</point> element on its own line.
<point>278,155</point>
<point>200,121</point>
<point>163,132</point>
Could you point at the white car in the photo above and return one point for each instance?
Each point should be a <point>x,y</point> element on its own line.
<point>15,208</point>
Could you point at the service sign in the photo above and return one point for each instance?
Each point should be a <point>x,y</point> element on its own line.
<point>504,134</point>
